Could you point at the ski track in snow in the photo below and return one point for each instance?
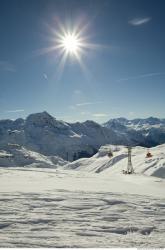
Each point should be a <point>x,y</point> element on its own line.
<point>67,218</point>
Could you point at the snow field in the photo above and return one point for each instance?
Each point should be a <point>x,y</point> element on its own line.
<point>86,203</point>
<point>79,219</point>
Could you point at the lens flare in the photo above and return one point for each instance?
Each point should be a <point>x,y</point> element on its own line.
<point>71,43</point>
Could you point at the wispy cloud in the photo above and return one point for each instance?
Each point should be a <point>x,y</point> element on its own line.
<point>14,111</point>
<point>141,76</point>
<point>87,103</point>
<point>63,117</point>
<point>131,113</point>
<point>77,91</point>
<point>72,107</point>
<point>99,115</point>
<point>85,113</point>
<point>45,76</point>
<point>6,66</point>
<point>139,21</point>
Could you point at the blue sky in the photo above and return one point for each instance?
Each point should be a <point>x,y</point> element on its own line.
<point>124,74</point>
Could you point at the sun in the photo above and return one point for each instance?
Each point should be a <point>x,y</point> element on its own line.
<point>70,43</point>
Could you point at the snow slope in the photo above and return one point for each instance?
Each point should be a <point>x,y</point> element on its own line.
<point>67,208</point>
<point>15,155</point>
<point>102,163</point>
<point>86,203</point>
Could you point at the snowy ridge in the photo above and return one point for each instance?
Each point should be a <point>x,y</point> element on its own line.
<point>14,155</point>
<point>137,124</point>
<point>103,164</point>
<point>145,132</point>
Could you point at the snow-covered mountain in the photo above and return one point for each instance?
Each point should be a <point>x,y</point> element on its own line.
<point>147,132</point>
<point>137,124</point>
<point>42,133</point>
<point>48,136</point>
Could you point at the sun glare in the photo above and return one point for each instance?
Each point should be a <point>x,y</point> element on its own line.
<point>70,43</point>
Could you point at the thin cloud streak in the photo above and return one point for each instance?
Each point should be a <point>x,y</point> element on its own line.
<point>85,113</point>
<point>87,103</point>
<point>141,76</point>
<point>77,91</point>
<point>100,115</point>
<point>14,111</point>
<point>6,66</point>
<point>139,21</point>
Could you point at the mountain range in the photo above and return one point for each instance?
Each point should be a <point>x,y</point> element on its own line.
<point>143,132</point>
<point>46,135</point>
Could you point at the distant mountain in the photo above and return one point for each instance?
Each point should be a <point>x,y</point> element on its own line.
<point>145,132</point>
<point>46,135</point>
<point>42,133</point>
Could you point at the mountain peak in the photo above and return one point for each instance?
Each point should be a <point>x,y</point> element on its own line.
<point>153,120</point>
<point>43,114</point>
<point>40,118</point>
<point>91,123</point>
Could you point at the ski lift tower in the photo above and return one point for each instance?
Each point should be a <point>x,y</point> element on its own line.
<point>130,169</point>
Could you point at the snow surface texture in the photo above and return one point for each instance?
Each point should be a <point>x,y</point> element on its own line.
<point>46,135</point>
<point>57,208</point>
<point>87,203</point>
